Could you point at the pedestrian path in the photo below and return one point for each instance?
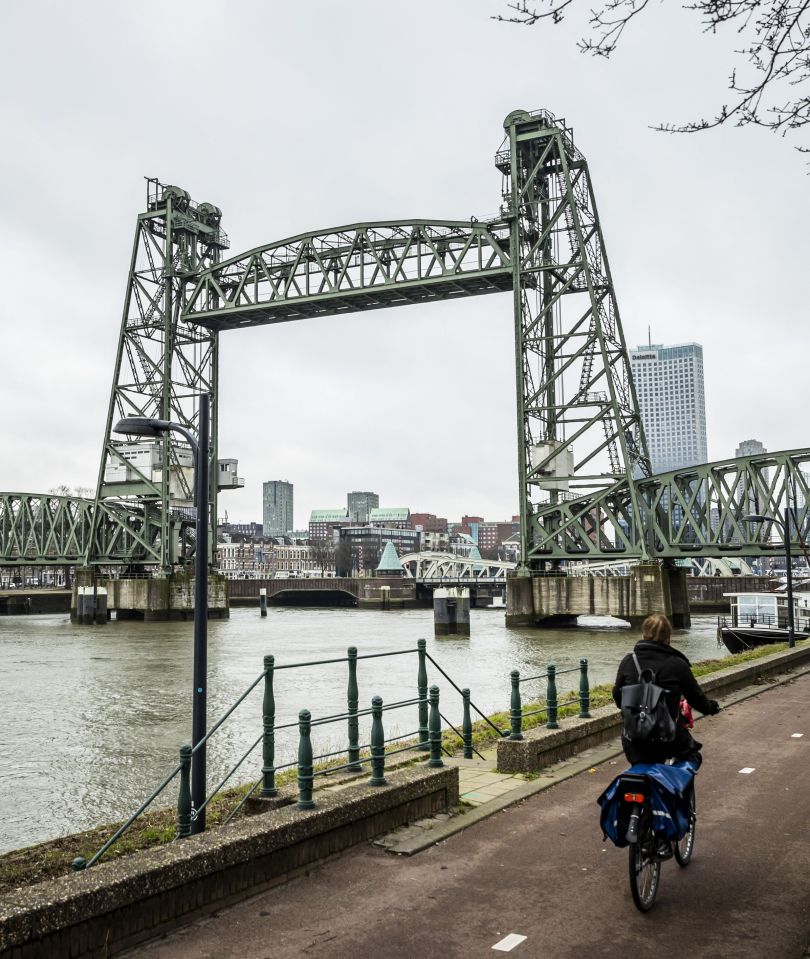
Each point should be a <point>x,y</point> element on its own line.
<point>539,881</point>
<point>483,792</point>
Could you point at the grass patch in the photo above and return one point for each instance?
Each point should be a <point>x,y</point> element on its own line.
<point>47,860</point>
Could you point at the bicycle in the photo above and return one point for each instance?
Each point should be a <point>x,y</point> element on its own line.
<point>647,850</point>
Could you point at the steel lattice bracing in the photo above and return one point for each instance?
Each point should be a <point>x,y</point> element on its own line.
<point>366,266</point>
<point>44,529</point>
<point>163,364</point>
<point>712,497</point>
<point>579,428</point>
<point>429,567</point>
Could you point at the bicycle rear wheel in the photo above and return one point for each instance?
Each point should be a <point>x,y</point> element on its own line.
<point>645,871</point>
<point>686,846</point>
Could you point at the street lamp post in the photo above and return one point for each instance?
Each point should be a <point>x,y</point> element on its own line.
<point>785,529</point>
<point>145,426</point>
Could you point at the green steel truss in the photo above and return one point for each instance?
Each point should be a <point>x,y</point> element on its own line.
<point>584,473</point>
<point>579,427</point>
<point>689,512</point>
<point>366,266</point>
<point>43,529</point>
<point>162,366</point>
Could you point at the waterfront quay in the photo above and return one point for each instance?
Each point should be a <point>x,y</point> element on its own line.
<point>539,877</point>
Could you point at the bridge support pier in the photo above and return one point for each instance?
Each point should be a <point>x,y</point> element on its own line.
<point>159,598</point>
<point>552,601</point>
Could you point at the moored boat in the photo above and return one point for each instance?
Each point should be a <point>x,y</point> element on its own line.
<point>761,619</point>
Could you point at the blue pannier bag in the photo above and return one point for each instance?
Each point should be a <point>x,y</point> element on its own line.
<point>670,790</point>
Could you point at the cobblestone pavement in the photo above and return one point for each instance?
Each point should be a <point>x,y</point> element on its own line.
<point>536,879</point>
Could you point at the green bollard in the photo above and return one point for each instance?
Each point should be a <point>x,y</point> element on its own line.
<point>435,730</point>
<point>377,744</point>
<point>184,795</point>
<point>515,707</point>
<point>269,737</point>
<point>551,697</point>
<point>584,691</point>
<point>422,693</point>
<point>305,761</point>
<point>466,725</point>
<point>352,696</point>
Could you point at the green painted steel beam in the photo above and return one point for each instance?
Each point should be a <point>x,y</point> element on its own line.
<point>692,512</point>
<point>365,266</point>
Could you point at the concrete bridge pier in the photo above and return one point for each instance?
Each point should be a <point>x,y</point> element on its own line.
<point>555,600</point>
<point>146,598</point>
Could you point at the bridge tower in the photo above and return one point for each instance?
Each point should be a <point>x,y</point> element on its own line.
<point>579,427</point>
<point>162,366</point>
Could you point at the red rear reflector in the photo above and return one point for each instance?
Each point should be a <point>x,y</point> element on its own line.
<point>633,797</point>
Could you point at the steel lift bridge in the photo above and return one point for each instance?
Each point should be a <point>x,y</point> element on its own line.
<point>586,489</point>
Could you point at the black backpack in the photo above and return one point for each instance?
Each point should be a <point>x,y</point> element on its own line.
<point>644,710</point>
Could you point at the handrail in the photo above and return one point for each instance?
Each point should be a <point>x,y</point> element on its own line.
<point>500,732</point>
<point>517,713</point>
<point>427,735</point>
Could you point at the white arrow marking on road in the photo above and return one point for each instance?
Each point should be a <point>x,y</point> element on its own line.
<point>746,770</point>
<point>508,943</point>
<point>797,735</point>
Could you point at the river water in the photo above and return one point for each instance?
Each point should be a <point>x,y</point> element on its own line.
<point>91,718</point>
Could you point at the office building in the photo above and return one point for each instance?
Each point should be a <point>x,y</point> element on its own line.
<point>749,448</point>
<point>749,500</point>
<point>669,388</point>
<point>428,523</point>
<point>398,517</point>
<point>277,506</point>
<point>361,504</point>
<point>324,522</point>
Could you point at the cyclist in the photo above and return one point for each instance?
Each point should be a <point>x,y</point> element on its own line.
<point>672,672</point>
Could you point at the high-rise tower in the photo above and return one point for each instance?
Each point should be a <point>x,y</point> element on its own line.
<point>277,507</point>
<point>669,387</point>
<point>361,504</point>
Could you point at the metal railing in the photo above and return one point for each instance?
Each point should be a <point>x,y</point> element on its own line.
<point>552,706</point>
<point>427,737</point>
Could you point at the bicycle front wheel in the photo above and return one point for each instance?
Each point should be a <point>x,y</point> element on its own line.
<point>645,872</point>
<point>686,846</point>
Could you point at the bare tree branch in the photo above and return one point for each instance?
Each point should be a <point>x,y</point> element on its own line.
<point>772,87</point>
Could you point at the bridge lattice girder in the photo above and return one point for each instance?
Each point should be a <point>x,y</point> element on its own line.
<point>430,567</point>
<point>366,266</point>
<point>41,529</point>
<point>690,512</point>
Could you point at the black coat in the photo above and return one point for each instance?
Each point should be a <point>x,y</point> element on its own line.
<point>672,671</point>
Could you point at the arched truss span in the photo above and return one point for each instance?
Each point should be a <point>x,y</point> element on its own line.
<point>364,266</point>
<point>437,568</point>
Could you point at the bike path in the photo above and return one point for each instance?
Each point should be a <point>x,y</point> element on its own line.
<point>540,870</point>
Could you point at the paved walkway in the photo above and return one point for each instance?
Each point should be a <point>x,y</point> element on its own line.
<point>537,879</point>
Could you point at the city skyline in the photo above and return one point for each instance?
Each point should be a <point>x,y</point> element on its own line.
<point>402,386</point>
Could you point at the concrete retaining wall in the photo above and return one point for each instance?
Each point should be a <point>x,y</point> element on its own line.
<point>542,747</point>
<point>118,904</point>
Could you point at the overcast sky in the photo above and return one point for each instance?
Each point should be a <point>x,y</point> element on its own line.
<point>294,117</point>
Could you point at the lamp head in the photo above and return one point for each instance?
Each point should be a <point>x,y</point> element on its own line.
<point>757,518</point>
<point>141,426</point>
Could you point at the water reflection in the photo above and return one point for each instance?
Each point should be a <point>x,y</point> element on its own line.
<point>93,718</point>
